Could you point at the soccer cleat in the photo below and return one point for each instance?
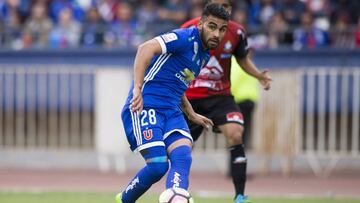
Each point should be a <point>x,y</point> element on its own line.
<point>118,198</point>
<point>242,199</point>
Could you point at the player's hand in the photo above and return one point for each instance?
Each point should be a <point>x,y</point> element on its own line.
<point>265,79</point>
<point>136,104</point>
<point>201,120</point>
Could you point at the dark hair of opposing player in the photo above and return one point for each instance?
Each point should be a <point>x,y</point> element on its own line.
<point>215,10</point>
<point>209,1</point>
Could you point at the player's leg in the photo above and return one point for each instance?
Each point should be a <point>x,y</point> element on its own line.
<point>178,142</point>
<point>195,129</point>
<point>179,153</point>
<point>247,108</point>
<point>228,118</point>
<point>156,167</point>
<point>233,134</point>
<point>146,136</point>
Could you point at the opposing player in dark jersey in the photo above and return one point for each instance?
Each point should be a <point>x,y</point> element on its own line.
<point>152,115</point>
<point>210,95</point>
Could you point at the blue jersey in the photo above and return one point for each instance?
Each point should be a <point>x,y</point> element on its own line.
<point>170,74</point>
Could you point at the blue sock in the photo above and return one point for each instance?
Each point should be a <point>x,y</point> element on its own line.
<point>156,167</point>
<point>180,159</point>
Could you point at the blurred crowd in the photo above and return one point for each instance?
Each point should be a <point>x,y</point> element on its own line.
<point>126,23</point>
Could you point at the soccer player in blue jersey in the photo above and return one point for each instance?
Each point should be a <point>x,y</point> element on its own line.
<point>152,116</point>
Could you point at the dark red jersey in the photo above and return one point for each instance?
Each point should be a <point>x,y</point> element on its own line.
<point>214,78</point>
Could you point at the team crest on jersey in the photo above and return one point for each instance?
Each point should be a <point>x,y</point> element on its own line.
<point>148,134</point>
<point>228,46</point>
<point>235,117</point>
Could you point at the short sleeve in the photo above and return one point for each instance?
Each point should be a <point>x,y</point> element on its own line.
<point>173,41</point>
<point>242,48</point>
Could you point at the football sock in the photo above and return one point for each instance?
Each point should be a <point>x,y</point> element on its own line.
<point>238,168</point>
<point>155,169</point>
<point>180,160</point>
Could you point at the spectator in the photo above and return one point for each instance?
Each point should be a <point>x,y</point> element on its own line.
<point>107,9</point>
<point>196,11</point>
<point>1,31</point>
<point>266,12</point>
<point>57,6</point>
<point>341,35</point>
<point>292,10</point>
<point>93,29</point>
<point>10,6</point>
<point>13,31</point>
<point>37,27</point>
<point>124,31</point>
<point>239,16</point>
<point>147,16</point>
<point>279,32</point>
<point>357,34</point>
<point>352,7</point>
<point>318,7</point>
<point>307,35</point>
<point>147,13</point>
<point>67,32</point>
<point>174,11</point>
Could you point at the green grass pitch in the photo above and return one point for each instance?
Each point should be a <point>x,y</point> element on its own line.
<point>54,197</point>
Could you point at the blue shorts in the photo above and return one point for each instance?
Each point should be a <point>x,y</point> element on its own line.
<point>153,126</point>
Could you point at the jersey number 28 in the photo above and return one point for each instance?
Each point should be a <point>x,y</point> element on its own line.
<point>148,116</point>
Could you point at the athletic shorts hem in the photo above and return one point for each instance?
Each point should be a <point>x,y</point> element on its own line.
<point>183,132</point>
<point>149,145</point>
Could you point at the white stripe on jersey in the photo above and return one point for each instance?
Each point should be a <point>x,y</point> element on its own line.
<point>152,69</point>
<point>155,68</point>
<point>136,130</point>
<point>162,63</point>
<point>162,44</point>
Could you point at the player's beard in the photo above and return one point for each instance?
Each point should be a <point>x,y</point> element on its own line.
<point>206,41</point>
<point>203,38</point>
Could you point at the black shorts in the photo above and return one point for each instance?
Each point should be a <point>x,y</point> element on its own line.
<point>220,109</point>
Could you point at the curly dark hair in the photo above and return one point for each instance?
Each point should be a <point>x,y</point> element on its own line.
<point>215,10</point>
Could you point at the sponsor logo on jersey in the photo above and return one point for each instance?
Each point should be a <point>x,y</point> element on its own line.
<point>132,184</point>
<point>186,76</point>
<point>235,117</point>
<point>228,46</point>
<point>169,37</point>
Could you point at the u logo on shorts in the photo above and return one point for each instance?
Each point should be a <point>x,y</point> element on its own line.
<point>148,134</point>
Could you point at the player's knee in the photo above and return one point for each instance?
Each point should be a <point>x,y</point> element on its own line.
<point>235,135</point>
<point>181,156</point>
<point>158,170</point>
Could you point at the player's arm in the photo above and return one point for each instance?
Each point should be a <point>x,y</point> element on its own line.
<point>249,67</point>
<point>242,57</point>
<point>194,117</point>
<point>144,55</point>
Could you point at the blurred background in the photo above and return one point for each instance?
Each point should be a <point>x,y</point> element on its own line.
<point>272,24</point>
<point>66,66</point>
